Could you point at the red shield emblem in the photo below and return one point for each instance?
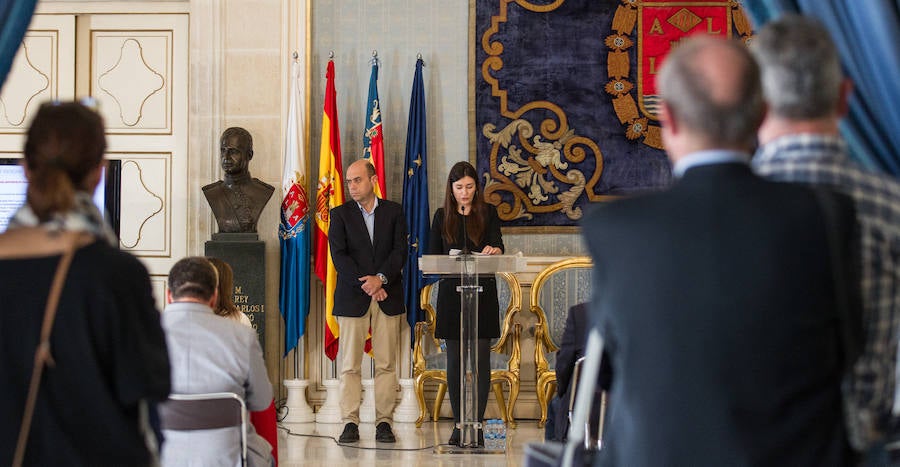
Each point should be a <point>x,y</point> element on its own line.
<point>661,25</point>
<point>295,205</point>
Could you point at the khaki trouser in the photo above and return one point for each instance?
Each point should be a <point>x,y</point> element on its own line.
<point>385,339</point>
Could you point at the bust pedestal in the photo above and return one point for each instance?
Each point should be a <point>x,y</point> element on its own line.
<point>246,254</point>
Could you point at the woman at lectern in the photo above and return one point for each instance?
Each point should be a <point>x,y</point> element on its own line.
<point>466,224</point>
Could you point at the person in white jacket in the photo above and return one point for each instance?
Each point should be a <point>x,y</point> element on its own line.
<point>211,354</point>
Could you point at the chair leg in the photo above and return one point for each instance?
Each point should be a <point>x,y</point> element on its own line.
<point>513,395</point>
<point>501,403</point>
<point>603,402</point>
<point>542,402</point>
<point>420,397</point>
<point>439,400</point>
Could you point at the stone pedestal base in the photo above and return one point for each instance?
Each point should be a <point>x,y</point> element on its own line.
<point>407,411</point>
<point>298,410</point>
<point>367,409</point>
<point>330,412</point>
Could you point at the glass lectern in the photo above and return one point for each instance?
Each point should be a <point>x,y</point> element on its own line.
<point>467,267</point>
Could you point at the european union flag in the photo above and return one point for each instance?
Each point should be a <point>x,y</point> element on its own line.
<point>415,199</point>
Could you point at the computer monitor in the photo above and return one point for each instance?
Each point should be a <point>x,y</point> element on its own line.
<point>13,186</point>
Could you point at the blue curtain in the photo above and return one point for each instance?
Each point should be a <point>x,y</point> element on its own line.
<point>867,35</point>
<point>15,15</point>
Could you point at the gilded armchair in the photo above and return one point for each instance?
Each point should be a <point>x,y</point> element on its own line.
<point>554,290</point>
<point>430,360</point>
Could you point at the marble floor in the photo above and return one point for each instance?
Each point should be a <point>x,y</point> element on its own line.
<point>316,444</point>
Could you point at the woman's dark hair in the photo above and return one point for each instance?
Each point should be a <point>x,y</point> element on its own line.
<point>225,306</point>
<point>478,216</point>
<point>65,143</point>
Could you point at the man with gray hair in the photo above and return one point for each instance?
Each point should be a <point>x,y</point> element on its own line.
<point>808,95</point>
<point>209,353</point>
<point>715,299</point>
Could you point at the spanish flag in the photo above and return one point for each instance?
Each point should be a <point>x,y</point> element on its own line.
<point>329,194</point>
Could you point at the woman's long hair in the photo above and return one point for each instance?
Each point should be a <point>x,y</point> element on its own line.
<point>65,143</point>
<point>476,219</point>
<point>225,307</point>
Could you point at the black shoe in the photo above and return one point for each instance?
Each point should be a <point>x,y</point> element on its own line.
<point>481,438</point>
<point>454,437</point>
<point>383,433</point>
<point>350,434</point>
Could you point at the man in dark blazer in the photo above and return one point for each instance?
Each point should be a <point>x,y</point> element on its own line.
<point>571,348</point>
<point>717,299</point>
<point>367,237</point>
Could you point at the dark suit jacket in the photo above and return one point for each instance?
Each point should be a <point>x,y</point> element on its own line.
<point>355,256</point>
<point>716,302</point>
<point>571,348</point>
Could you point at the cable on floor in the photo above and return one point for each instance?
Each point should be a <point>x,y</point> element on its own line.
<point>344,445</point>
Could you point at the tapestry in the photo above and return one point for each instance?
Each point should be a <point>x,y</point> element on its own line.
<point>565,99</point>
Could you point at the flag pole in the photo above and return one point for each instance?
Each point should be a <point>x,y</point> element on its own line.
<point>299,357</point>
<point>293,233</point>
<point>329,194</point>
<point>300,350</point>
<point>373,151</point>
<point>412,330</point>
<point>415,205</point>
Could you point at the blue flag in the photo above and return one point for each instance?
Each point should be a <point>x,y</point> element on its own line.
<point>14,20</point>
<point>415,199</point>
<point>293,230</point>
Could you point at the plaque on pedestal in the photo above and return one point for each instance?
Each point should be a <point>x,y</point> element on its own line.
<point>246,255</point>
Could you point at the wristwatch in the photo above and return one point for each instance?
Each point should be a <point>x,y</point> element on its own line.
<point>382,277</point>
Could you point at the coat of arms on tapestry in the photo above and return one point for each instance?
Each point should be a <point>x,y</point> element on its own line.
<point>565,99</point>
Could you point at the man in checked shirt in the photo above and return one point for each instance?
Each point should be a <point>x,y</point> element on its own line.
<point>800,142</point>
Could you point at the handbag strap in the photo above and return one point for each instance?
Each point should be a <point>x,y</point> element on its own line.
<point>38,242</point>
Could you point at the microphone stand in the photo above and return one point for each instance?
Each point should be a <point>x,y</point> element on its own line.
<point>469,425</point>
<point>465,248</point>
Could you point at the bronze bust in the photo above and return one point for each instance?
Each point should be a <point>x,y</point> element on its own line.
<point>238,200</point>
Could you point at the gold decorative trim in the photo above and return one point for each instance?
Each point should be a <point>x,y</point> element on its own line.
<point>533,163</point>
<point>563,229</point>
<point>633,114</point>
<point>545,377</point>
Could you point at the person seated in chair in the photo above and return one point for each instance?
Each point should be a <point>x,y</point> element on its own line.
<point>571,348</point>
<point>211,354</point>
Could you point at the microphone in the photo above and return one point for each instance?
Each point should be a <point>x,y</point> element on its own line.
<point>465,248</point>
